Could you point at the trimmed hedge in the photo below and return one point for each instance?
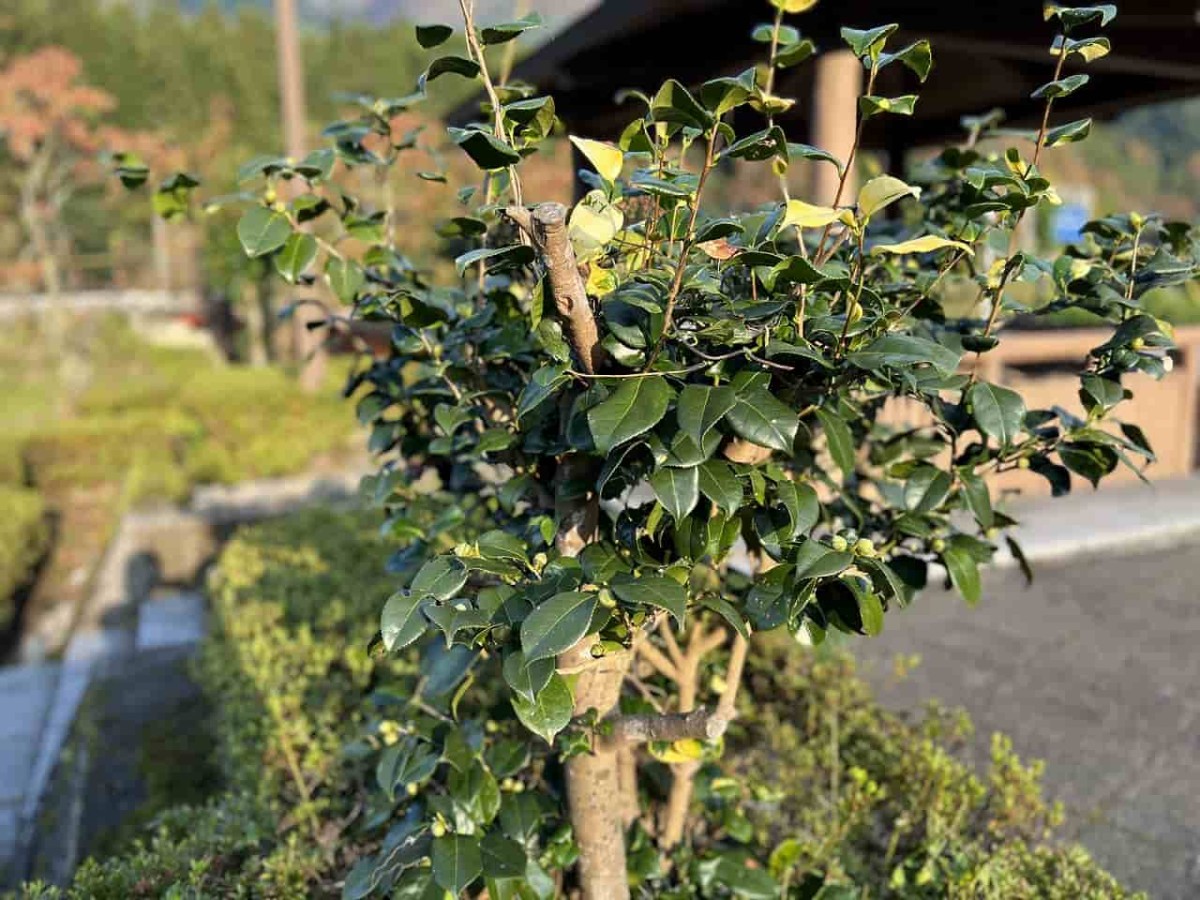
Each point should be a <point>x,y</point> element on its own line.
<point>24,536</point>
<point>847,794</point>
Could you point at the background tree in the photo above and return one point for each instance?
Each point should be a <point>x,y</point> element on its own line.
<point>680,429</point>
<point>49,121</point>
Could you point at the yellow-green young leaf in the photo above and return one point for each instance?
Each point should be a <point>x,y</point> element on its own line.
<point>594,222</point>
<point>883,191</point>
<point>926,244</point>
<point>676,751</point>
<point>794,6</point>
<point>607,159</point>
<point>805,215</point>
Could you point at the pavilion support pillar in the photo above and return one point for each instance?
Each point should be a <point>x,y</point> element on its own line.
<point>839,82</point>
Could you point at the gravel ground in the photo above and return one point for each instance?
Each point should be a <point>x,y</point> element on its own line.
<point>1096,670</point>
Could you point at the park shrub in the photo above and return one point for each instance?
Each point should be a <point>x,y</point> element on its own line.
<point>844,792</point>
<point>164,423</point>
<point>681,422</point>
<point>12,462</point>
<point>24,537</point>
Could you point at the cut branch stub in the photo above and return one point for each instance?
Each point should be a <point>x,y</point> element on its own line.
<point>546,226</point>
<point>699,724</point>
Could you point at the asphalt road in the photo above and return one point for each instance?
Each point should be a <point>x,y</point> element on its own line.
<point>1094,669</point>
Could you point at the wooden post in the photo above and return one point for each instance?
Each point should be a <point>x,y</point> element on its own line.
<point>309,347</point>
<point>839,82</point>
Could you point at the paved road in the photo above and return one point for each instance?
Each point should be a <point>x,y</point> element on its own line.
<point>1096,670</point>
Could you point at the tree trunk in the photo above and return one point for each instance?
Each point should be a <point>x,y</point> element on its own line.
<point>256,327</point>
<point>594,779</point>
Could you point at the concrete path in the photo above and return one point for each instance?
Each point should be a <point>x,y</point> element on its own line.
<point>25,695</point>
<point>1095,669</point>
<point>38,704</point>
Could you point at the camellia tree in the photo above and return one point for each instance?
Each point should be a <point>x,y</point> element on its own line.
<point>672,422</point>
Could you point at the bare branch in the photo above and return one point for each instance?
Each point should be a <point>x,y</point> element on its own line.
<point>546,227</point>
<point>658,660</point>
<point>699,724</point>
<point>727,705</point>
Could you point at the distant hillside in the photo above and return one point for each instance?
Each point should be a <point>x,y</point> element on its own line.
<point>556,12</point>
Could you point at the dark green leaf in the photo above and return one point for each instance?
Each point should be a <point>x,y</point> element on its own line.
<point>870,42</point>
<point>262,230</point>
<point>457,65</point>
<point>700,408</point>
<point>720,485</point>
<point>498,258</point>
<point>927,489</point>
<point>457,861</point>
<point>430,36</point>
<point>634,408</point>
<point>1061,88</point>
<point>674,104</point>
<point>1074,16</point>
<point>977,497</point>
<point>653,590</point>
<point>345,278</point>
<point>488,151</point>
<point>763,420</point>
<point>296,256</point>
<point>901,350</point>
<point>401,622</point>
<point>678,490</point>
<point>557,624</point>
<point>1068,134</point>
<point>815,560</point>
<point>550,712</point>
<point>544,384</point>
<point>440,578</point>
<point>998,411</point>
<point>506,31</point>
<point>502,857</point>
<point>964,572</point>
<point>524,677</point>
<point>839,440</point>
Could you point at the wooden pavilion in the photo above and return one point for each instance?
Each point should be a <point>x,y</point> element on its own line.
<point>986,55</point>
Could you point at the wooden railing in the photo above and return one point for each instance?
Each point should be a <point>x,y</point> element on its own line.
<point>1044,365</point>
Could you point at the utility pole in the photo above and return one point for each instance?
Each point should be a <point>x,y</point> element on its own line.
<point>291,78</point>
<point>295,119</point>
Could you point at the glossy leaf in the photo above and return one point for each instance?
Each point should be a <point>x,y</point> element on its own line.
<point>719,484</point>
<point>634,408</point>
<point>401,622</point>
<point>999,412</point>
<point>678,490</point>
<point>964,573</point>
<point>262,230</point>
<point>655,591</point>
<point>557,624</point>
<point>457,861</point>
<point>761,419</point>
<point>701,408</point>
<point>550,712</point>
<point>296,256</point>
<point>838,440</point>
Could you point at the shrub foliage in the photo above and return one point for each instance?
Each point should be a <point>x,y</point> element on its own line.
<point>825,786</point>
<point>679,424</point>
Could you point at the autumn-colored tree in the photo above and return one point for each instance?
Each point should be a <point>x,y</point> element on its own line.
<point>49,124</point>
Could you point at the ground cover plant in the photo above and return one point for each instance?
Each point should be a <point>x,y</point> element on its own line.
<point>679,420</point>
<point>303,716</point>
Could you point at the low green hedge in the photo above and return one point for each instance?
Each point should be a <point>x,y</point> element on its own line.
<point>844,793</point>
<point>221,425</point>
<point>24,536</point>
